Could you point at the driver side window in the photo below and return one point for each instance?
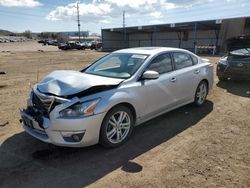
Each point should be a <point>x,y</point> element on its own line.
<point>161,64</point>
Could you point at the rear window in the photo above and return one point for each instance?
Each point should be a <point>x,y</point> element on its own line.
<point>182,60</point>
<point>195,59</point>
<point>243,51</point>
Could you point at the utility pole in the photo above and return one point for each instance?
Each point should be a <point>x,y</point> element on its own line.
<point>195,37</point>
<point>78,21</point>
<point>124,21</point>
<point>124,29</point>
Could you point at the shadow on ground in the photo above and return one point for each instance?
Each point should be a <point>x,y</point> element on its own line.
<point>27,162</point>
<point>236,87</point>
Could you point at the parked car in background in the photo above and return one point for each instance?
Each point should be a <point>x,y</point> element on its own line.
<point>71,45</point>
<point>41,41</point>
<point>14,39</point>
<point>52,42</point>
<point>95,45</point>
<point>5,40</point>
<point>103,102</point>
<point>85,44</point>
<point>234,65</point>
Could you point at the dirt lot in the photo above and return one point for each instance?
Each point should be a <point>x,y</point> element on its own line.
<point>188,147</point>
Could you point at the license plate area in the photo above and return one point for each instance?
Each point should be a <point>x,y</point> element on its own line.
<point>28,122</point>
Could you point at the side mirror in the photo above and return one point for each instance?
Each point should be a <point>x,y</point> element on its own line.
<point>150,75</point>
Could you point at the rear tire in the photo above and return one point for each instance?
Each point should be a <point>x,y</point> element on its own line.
<point>116,127</point>
<point>201,93</point>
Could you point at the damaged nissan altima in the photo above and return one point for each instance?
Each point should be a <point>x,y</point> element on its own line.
<point>103,102</point>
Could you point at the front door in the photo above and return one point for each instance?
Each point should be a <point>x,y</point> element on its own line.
<point>158,95</point>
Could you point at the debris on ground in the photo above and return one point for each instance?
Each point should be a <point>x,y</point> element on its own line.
<point>4,124</point>
<point>3,86</point>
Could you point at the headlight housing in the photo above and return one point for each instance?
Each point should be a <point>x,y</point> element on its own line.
<point>223,60</point>
<point>29,99</point>
<point>80,109</point>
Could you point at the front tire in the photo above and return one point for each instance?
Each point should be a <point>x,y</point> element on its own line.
<point>117,126</point>
<point>201,93</point>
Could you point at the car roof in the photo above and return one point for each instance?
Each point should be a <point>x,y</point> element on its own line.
<point>149,50</point>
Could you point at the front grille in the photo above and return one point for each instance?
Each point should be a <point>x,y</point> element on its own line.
<point>43,103</point>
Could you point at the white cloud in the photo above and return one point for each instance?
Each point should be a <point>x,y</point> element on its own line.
<point>156,14</point>
<point>91,12</point>
<point>20,3</point>
<point>133,3</point>
<point>103,11</point>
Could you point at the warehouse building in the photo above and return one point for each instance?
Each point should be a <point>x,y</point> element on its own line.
<point>194,36</point>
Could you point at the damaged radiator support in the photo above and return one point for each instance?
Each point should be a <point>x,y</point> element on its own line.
<point>42,106</point>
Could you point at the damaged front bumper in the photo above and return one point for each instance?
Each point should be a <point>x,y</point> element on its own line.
<point>64,132</point>
<point>51,128</point>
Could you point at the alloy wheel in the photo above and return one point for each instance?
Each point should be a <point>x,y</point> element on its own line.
<point>201,93</point>
<point>119,125</point>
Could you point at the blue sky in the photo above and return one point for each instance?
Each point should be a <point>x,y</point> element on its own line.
<point>60,15</point>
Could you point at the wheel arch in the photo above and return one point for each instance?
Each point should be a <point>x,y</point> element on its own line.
<point>207,82</point>
<point>103,140</point>
<point>128,105</point>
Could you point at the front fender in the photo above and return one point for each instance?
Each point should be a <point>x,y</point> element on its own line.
<point>109,100</point>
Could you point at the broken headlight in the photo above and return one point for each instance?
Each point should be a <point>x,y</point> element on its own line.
<point>29,99</point>
<point>80,109</point>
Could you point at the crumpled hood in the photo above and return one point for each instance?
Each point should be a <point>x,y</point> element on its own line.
<point>66,83</point>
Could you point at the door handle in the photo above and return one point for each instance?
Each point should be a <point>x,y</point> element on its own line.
<point>173,79</point>
<point>197,71</point>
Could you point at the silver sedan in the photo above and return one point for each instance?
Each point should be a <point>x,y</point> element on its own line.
<point>103,102</point>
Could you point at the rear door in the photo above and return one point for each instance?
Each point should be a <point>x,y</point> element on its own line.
<point>186,76</point>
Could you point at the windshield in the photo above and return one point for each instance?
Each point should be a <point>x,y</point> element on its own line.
<point>117,65</point>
